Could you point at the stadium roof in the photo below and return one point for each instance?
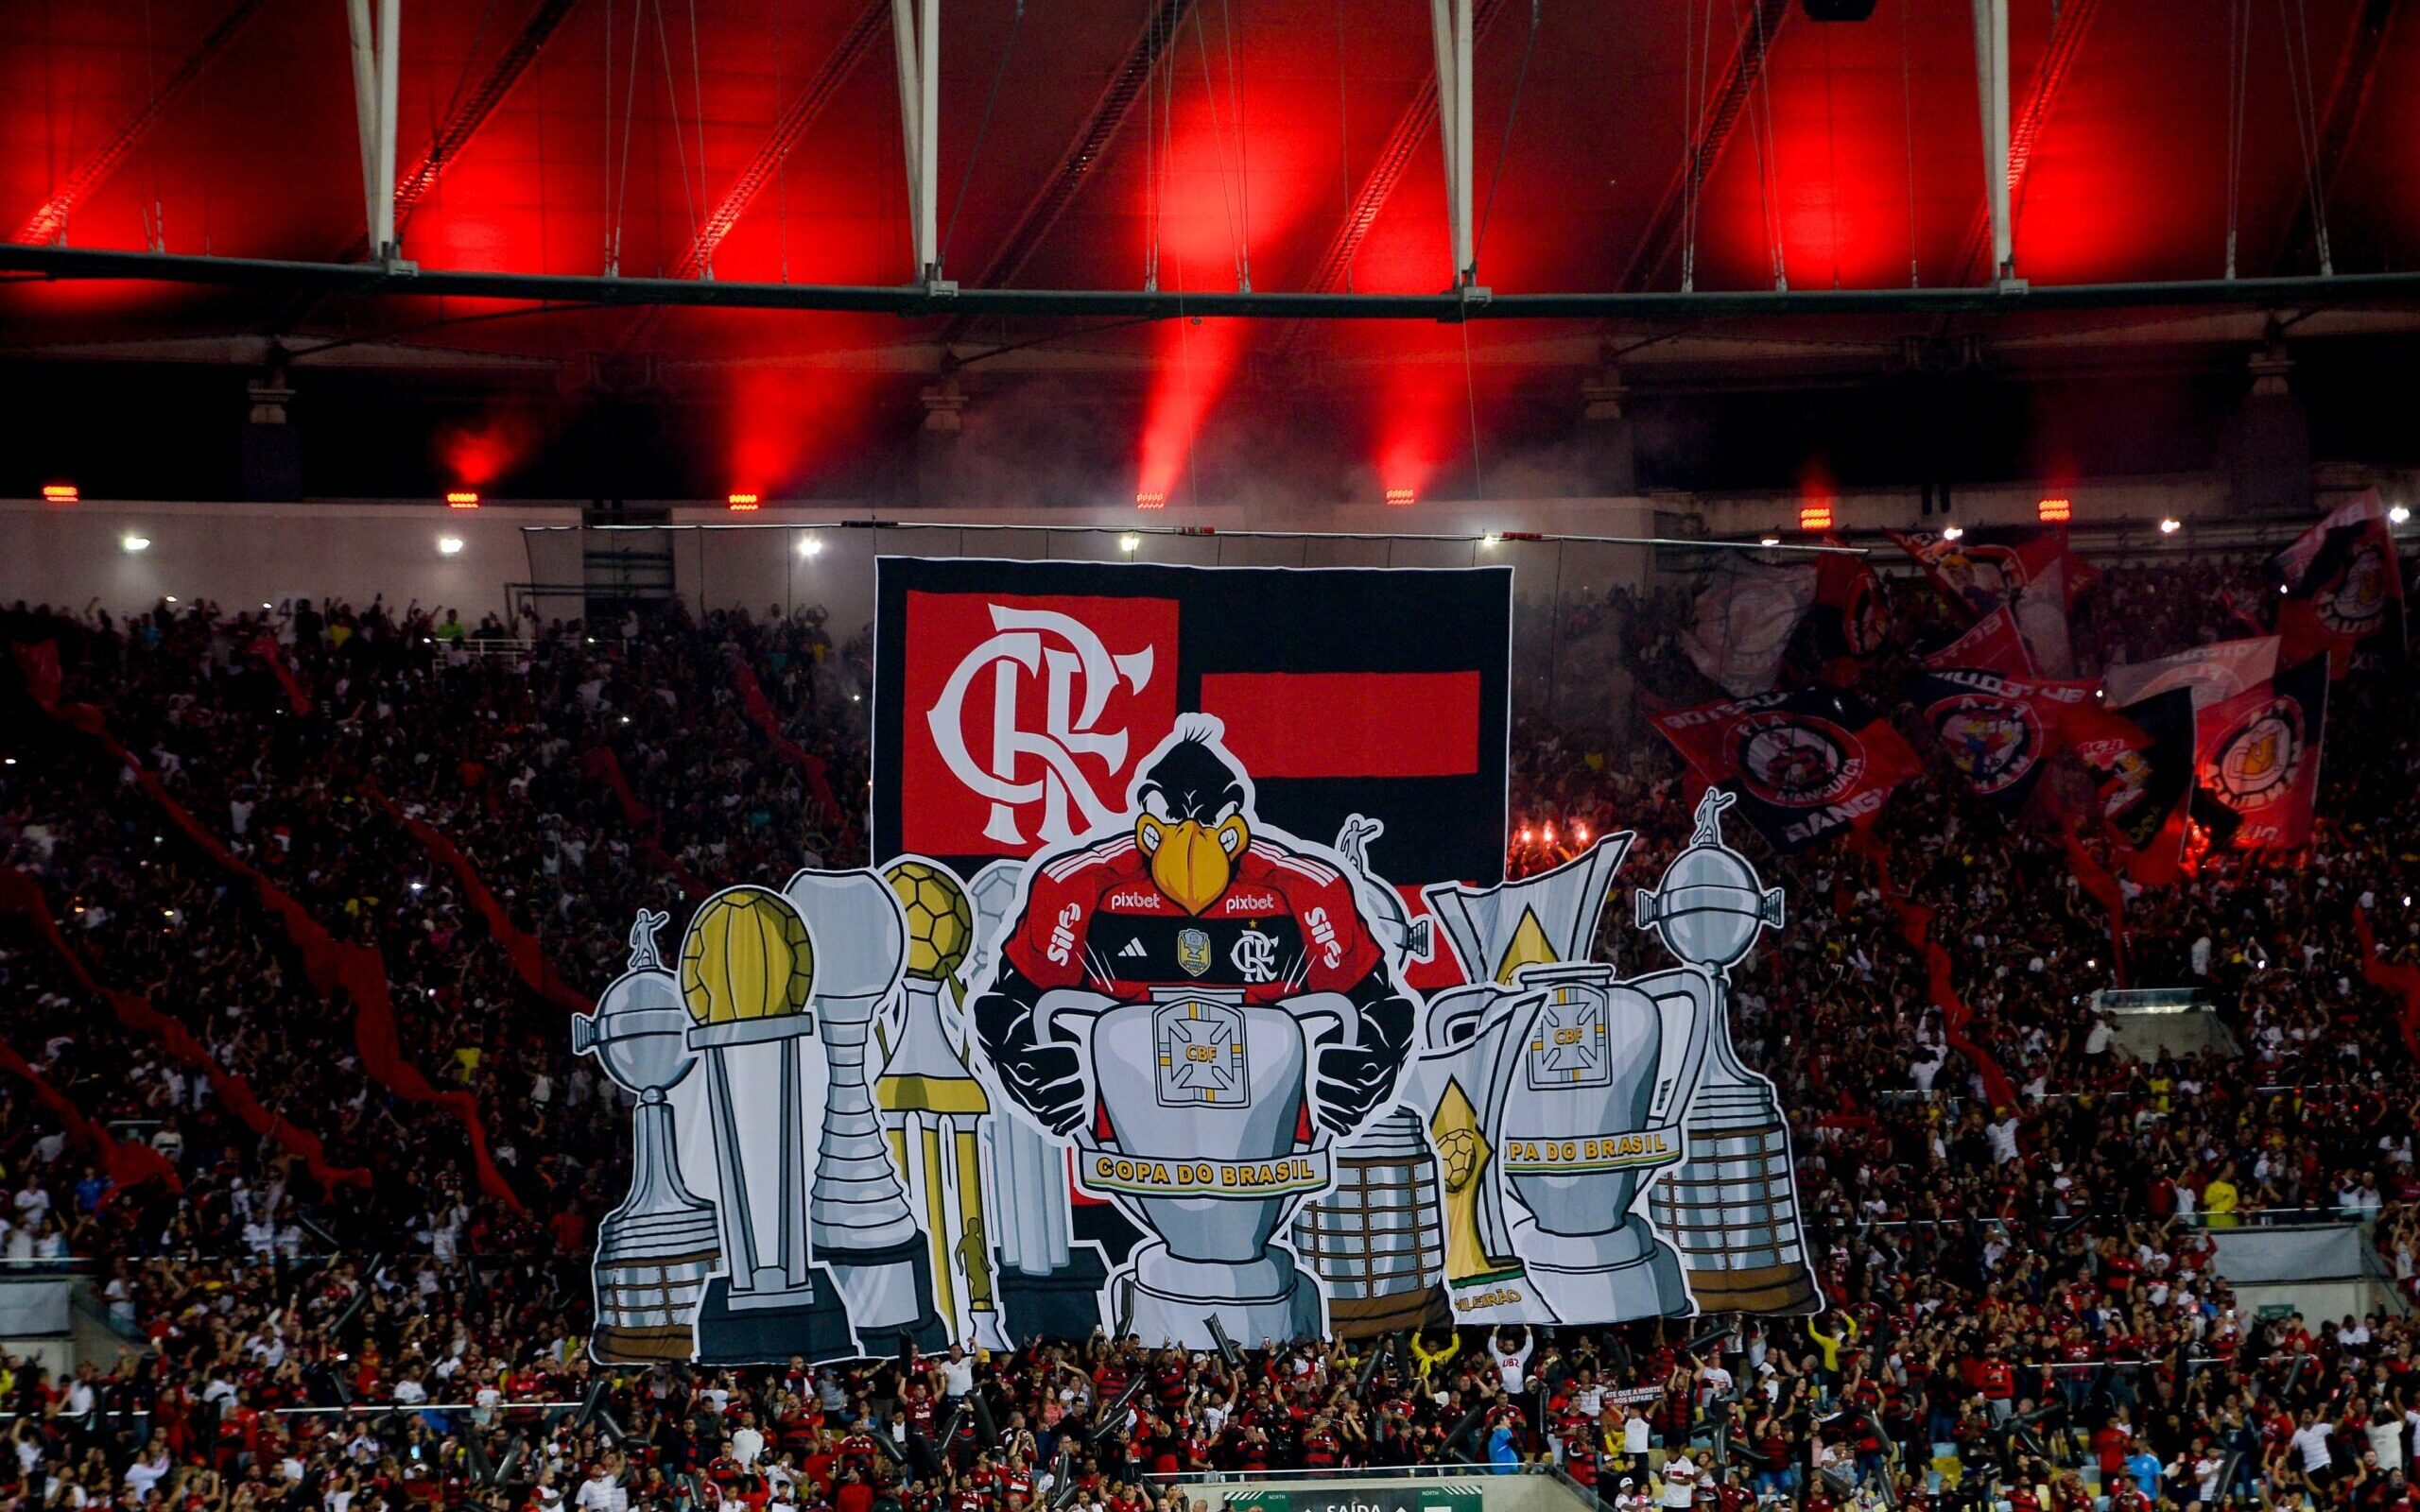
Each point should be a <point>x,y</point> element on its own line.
<point>1191,146</point>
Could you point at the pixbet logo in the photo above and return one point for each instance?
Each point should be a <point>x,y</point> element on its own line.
<point>1030,711</point>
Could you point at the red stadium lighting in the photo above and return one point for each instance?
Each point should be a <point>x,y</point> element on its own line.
<point>1814,518</point>
<point>2053,511</point>
<point>1400,496</point>
<point>1152,498</point>
<point>61,493</point>
<point>462,499</point>
<point>743,503</point>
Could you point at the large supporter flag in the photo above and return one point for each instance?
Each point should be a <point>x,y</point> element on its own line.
<point>1805,762</point>
<point>1135,1036</point>
<point>1849,620</point>
<point>2258,754</point>
<point>1997,731</point>
<point>1013,700</point>
<point>1992,644</point>
<point>1744,621</point>
<point>2140,760</point>
<point>2213,672</point>
<point>2028,569</point>
<point>2342,588</point>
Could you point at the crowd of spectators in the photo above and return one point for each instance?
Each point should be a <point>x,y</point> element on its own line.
<point>2021,1309</point>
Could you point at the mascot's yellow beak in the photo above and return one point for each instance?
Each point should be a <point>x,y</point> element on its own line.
<point>1192,863</point>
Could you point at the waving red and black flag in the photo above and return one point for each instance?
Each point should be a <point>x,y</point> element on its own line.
<point>1849,620</point>
<point>1998,731</point>
<point>2140,760</point>
<point>1805,762</point>
<point>2342,588</point>
<point>1993,645</point>
<point>2258,757</point>
<point>2028,569</point>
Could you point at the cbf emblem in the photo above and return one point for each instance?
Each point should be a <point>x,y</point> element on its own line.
<point>1567,1046</point>
<point>1192,952</point>
<point>1202,1054</point>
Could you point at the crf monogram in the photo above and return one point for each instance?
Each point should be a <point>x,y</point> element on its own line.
<point>1078,672</point>
<point>1255,956</point>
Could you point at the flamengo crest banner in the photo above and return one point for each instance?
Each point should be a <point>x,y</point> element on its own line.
<point>2344,587</point>
<point>2258,757</point>
<point>1187,1000</point>
<point>1996,730</point>
<point>1805,763</point>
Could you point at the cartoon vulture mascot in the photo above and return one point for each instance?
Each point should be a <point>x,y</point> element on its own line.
<point>1192,895</point>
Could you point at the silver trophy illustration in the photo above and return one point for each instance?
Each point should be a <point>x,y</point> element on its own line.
<point>861,1225</point>
<point>747,973</point>
<point>1495,932</point>
<point>1590,1078</point>
<point>1050,1282</point>
<point>1378,1240</point>
<point>1734,1202</point>
<point>655,1251</point>
<point>1204,1154</point>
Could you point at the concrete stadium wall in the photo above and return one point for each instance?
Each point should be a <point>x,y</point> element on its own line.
<point>245,554</point>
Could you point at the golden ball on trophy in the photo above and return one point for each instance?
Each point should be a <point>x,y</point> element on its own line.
<point>940,922</point>
<point>1458,1150</point>
<point>746,957</point>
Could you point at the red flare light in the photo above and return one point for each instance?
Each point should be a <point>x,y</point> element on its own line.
<point>2053,511</point>
<point>743,503</point>
<point>61,493</point>
<point>462,499</point>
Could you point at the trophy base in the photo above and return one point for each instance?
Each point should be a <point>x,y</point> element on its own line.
<point>1055,1304</point>
<point>1493,1296</point>
<point>1173,1298</point>
<point>815,1326</point>
<point>888,1291</point>
<point>1368,1317</point>
<point>1766,1289</point>
<point>1607,1278</point>
<point>641,1346</point>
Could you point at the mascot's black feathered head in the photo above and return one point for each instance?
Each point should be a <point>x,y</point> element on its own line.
<point>1195,822</point>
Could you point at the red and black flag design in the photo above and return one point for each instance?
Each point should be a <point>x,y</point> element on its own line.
<point>1998,731</point>
<point>1013,700</point>
<point>1849,620</point>
<point>2027,568</point>
<point>2343,589</point>
<point>2257,760</point>
<point>2140,760</point>
<point>1994,644</point>
<point>1805,762</point>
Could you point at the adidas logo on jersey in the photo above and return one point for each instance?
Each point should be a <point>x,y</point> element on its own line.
<point>1134,947</point>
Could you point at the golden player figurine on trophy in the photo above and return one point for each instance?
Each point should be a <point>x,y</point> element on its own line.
<point>932,1105</point>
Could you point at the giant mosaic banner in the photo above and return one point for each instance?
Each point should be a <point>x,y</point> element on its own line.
<point>1189,999</point>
